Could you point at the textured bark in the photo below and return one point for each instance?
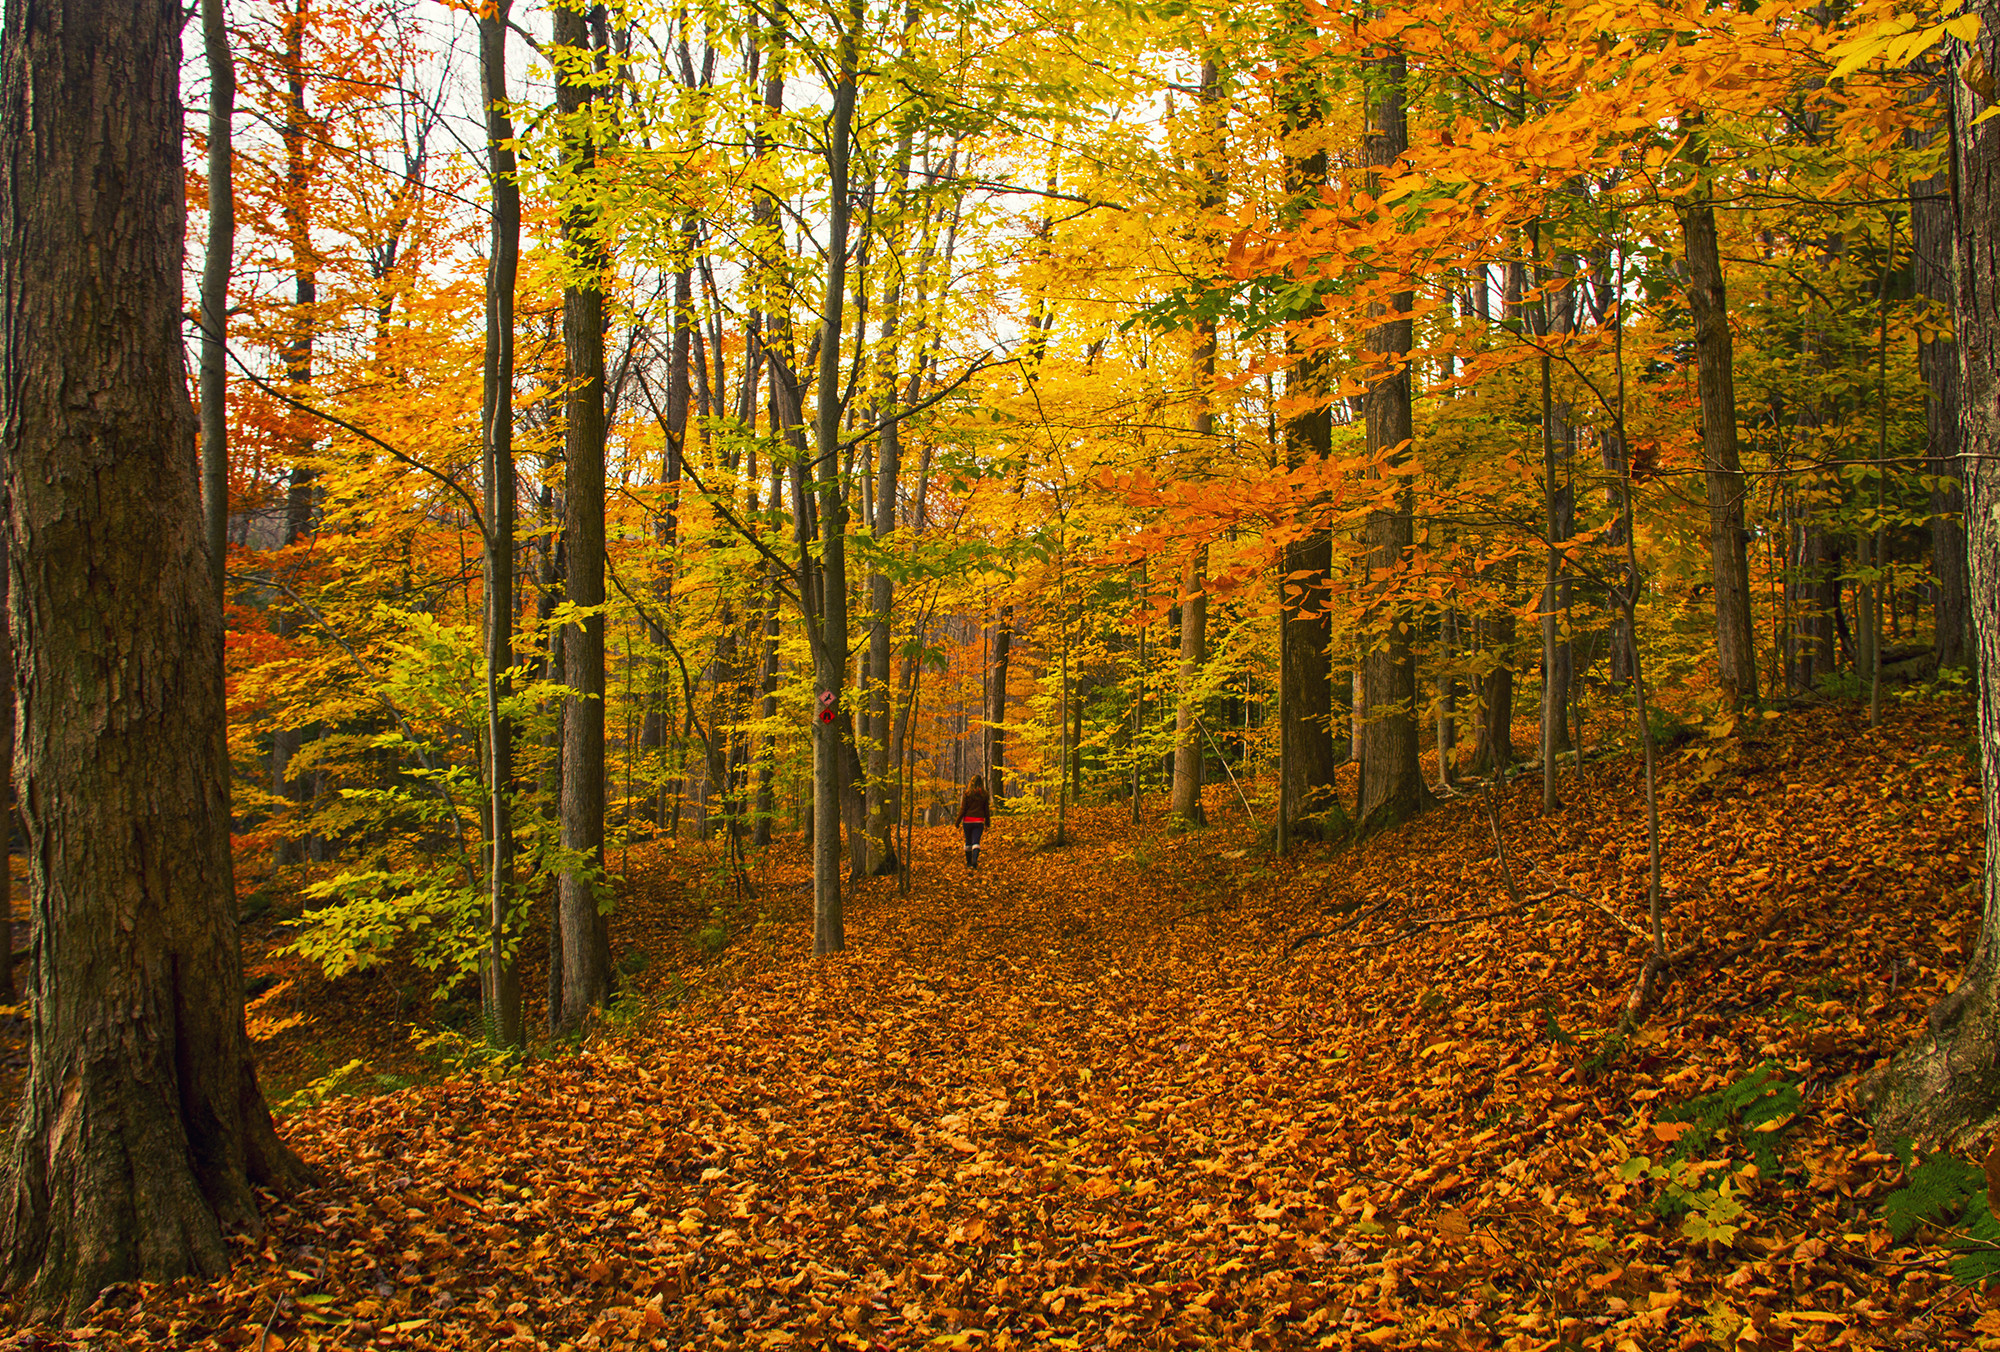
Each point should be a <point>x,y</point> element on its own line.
<point>1946,1084</point>
<point>500,980</point>
<point>142,1130</point>
<point>215,289</point>
<point>1735,653</point>
<point>1305,708</point>
<point>1930,239</point>
<point>1392,784</point>
<point>586,948</point>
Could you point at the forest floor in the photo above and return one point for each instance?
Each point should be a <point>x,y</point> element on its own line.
<point>1158,1089</point>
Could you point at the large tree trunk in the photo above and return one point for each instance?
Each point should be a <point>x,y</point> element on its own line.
<point>1305,708</point>
<point>1715,376</point>
<point>1946,1084</point>
<point>1392,784</point>
<point>586,949</point>
<point>142,1130</point>
<point>215,289</point>
<point>500,985</point>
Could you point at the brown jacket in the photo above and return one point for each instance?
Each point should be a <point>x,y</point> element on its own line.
<point>976,807</point>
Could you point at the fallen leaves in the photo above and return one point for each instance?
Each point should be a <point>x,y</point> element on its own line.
<point>1042,1107</point>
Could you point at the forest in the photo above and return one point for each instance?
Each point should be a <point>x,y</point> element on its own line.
<point>1442,546</point>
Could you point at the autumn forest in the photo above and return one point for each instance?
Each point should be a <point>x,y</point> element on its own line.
<point>879,675</point>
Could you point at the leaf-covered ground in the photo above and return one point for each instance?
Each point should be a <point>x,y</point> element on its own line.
<point>1157,1090</point>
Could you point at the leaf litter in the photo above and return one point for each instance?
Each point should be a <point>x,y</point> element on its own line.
<point>1161,1090</point>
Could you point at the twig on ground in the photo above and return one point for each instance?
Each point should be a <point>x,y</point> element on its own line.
<point>1499,845</point>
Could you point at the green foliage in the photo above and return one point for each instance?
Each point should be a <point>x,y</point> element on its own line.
<point>1950,1194</point>
<point>1846,685</point>
<point>1755,1108</point>
<point>341,1080</point>
<point>421,887</point>
<point>450,1052</point>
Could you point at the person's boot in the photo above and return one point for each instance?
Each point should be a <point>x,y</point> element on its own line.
<point>974,852</point>
<point>971,859</point>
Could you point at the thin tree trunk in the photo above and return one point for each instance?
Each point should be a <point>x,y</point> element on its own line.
<point>1186,803</point>
<point>830,646</point>
<point>142,1131</point>
<point>215,289</point>
<point>500,986</point>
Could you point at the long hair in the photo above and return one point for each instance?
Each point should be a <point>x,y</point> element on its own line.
<point>978,784</point>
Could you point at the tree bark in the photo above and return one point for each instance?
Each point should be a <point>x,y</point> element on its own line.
<point>215,290</point>
<point>1945,1085</point>
<point>1735,652</point>
<point>586,948</point>
<point>830,645</point>
<point>1937,360</point>
<point>1186,799</point>
<point>1305,708</point>
<point>142,1130</point>
<point>1392,783</point>
<point>500,985</point>
<point>296,134</point>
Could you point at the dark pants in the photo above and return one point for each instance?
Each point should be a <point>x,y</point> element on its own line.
<point>973,830</point>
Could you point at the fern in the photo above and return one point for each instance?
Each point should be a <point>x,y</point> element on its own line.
<point>1937,1191</point>
<point>1756,1105</point>
<point>1950,1194</point>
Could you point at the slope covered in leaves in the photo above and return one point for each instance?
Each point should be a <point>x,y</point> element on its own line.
<point>1158,1090</point>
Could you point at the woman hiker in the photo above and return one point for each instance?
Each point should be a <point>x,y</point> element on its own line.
<point>973,811</point>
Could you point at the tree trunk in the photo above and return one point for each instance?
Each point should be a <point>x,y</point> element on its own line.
<point>586,977</point>
<point>1493,751</point>
<point>142,1130</point>
<point>1186,801</point>
<point>1305,708</point>
<point>1930,239</point>
<point>500,984</point>
<point>1392,784</point>
<point>215,289</point>
<point>297,354</point>
<point>830,646</point>
<point>994,756</point>
<point>1735,652</point>
<point>1946,1084</point>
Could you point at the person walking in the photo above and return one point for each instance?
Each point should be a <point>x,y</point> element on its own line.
<point>973,810</point>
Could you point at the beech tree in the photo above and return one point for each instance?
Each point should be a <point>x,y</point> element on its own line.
<point>142,1129</point>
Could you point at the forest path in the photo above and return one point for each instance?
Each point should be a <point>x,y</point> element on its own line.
<point>1158,1090</point>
